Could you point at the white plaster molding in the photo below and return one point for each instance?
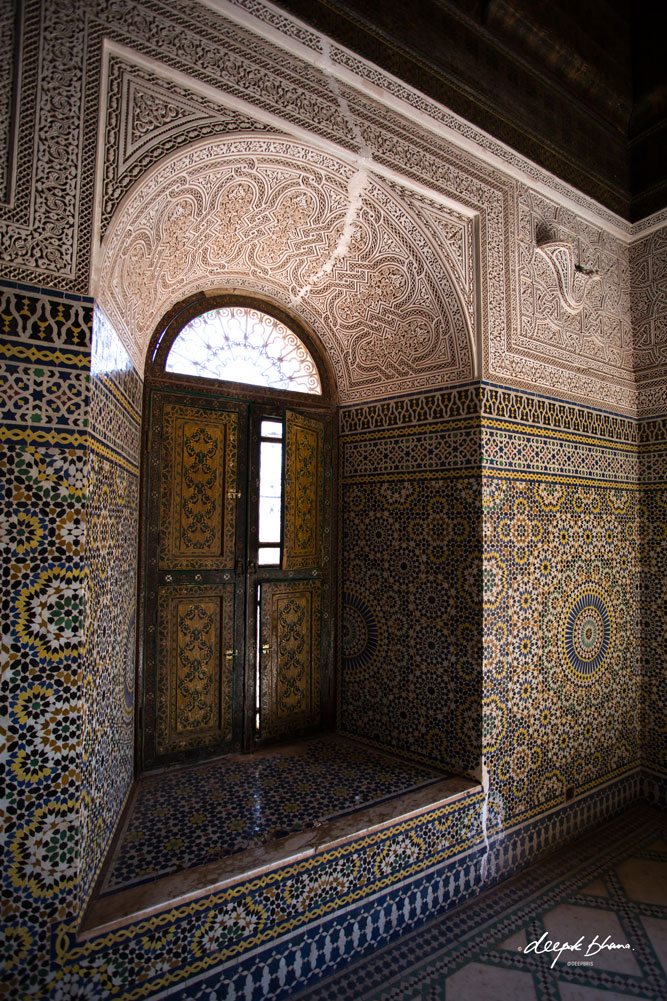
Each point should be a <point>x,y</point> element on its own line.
<point>262,18</point>
<point>266,213</point>
<point>570,279</point>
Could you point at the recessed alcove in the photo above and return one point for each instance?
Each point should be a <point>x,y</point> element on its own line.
<point>397,663</point>
<point>189,831</point>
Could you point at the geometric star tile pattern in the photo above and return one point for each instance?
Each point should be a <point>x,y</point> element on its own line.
<point>604,895</point>
<point>191,816</point>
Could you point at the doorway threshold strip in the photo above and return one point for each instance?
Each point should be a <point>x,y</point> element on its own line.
<point>186,817</point>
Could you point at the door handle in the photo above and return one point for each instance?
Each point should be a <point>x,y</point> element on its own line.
<point>266,647</point>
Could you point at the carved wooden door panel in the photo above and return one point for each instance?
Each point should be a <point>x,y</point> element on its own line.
<point>195,518</point>
<point>237,648</point>
<point>290,664</point>
<point>291,607</point>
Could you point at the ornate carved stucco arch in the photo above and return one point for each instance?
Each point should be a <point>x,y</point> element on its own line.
<point>335,245</point>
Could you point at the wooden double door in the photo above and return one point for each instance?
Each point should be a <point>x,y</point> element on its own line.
<point>237,625</point>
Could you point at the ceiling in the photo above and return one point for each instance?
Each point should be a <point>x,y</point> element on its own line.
<point>578,86</point>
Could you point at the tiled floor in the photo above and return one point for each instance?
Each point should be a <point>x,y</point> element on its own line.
<point>187,817</point>
<point>605,895</point>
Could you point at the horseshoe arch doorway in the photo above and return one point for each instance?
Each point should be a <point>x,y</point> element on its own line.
<point>237,542</point>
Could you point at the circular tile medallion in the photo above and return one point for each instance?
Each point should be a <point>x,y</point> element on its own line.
<point>362,636</point>
<point>586,633</point>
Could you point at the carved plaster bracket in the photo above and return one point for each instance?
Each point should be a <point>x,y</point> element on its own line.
<point>572,281</point>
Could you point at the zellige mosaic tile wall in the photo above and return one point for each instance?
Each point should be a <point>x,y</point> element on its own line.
<point>652,531</point>
<point>561,598</point>
<point>70,433</point>
<point>411,577</point>
<point>111,560</point>
<point>46,595</point>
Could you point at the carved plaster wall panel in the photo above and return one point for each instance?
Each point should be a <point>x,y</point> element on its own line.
<point>38,227</point>
<point>452,235</point>
<point>574,332</point>
<point>396,144</point>
<point>648,275</point>
<point>592,356</point>
<point>149,116</point>
<point>8,30</point>
<point>295,31</point>
<point>46,232</point>
<point>281,219</point>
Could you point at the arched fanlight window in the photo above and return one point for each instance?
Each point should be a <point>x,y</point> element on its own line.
<point>241,344</point>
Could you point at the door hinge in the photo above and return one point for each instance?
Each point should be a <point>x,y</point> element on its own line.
<point>234,494</point>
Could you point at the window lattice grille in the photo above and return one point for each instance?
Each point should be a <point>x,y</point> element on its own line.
<point>238,344</point>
